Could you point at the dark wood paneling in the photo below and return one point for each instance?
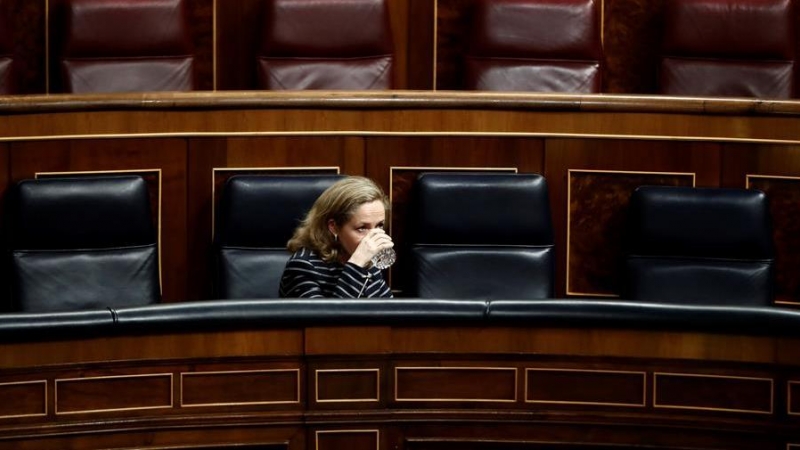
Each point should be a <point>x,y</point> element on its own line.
<point>588,387</point>
<point>596,221</point>
<point>763,166</point>
<point>631,39</point>
<point>713,393</point>
<point>238,34</point>
<point>22,399</point>
<point>563,155</point>
<point>168,155</point>
<point>232,388</point>
<point>421,65</point>
<point>452,28</point>
<point>347,385</point>
<point>793,401</point>
<point>113,393</point>
<point>28,31</point>
<point>361,439</point>
<point>455,384</point>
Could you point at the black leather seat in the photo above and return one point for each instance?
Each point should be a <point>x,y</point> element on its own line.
<point>256,217</point>
<point>481,236</point>
<point>83,243</point>
<point>700,246</point>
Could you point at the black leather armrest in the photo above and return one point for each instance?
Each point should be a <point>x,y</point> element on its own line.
<point>16,327</point>
<point>770,320</point>
<point>288,313</point>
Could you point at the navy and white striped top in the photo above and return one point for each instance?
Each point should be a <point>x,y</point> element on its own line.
<point>307,276</point>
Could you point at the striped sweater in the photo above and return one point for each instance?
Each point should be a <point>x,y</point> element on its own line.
<point>307,276</point>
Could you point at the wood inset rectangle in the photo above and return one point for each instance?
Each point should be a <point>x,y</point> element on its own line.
<point>249,387</point>
<point>23,399</point>
<point>456,384</point>
<point>586,387</point>
<point>784,207</point>
<point>347,440</point>
<point>597,202</point>
<point>113,393</point>
<point>347,385</point>
<point>793,401</point>
<point>713,393</point>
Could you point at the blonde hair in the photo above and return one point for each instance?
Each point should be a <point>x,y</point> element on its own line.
<point>339,203</point>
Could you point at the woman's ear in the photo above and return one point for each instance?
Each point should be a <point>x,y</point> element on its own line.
<point>332,227</point>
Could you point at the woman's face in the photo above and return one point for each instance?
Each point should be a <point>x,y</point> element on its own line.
<point>367,216</point>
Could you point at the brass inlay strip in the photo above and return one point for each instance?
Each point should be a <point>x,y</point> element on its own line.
<point>214,171</point>
<point>321,432</point>
<point>230,372</point>
<point>565,402</point>
<point>476,400</point>
<point>789,398</point>
<point>17,383</point>
<point>112,377</point>
<point>125,171</point>
<point>705,408</point>
<point>348,400</point>
<point>569,216</point>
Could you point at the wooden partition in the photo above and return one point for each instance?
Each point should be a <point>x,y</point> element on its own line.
<point>395,387</point>
<point>593,151</point>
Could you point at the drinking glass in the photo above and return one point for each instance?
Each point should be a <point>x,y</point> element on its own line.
<point>384,258</point>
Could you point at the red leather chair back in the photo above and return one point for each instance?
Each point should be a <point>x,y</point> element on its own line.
<point>535,45</point>
<point>742,48</point>
<point>325,44</point>
<point>126,46</point>
<point>8,83</point>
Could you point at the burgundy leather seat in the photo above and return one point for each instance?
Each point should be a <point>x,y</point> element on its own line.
<point>8,83</point>
<point>325,44</point>
<point>535,45</point>
<point>742,48</point>
<point>125,46</point>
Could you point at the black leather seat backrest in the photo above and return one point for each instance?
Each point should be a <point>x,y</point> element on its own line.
<point>256,217</point>
<point>83,243</point>
<point>481,236</point>
<point>700,246</point>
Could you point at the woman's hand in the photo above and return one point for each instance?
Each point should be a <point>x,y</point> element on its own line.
<point>374,241</point>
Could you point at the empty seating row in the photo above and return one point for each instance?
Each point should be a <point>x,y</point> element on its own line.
<point>89,242</point>
<point>712,48</point>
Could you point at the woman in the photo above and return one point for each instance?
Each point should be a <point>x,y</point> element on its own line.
<point>333,247</point>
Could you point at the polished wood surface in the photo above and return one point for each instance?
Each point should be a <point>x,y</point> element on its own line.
<point>593,150</point>
<point>397,387</point>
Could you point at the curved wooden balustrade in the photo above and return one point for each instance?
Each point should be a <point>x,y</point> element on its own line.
<point>255,375</point>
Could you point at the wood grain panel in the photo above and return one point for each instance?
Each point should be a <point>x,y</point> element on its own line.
<point>631,37</point>
<point>347,440</point>
<point>596,221</point>
<point>23,399</point>
<point>238,37</point>
<point>784,207</point>
<point>713,393</point>
<point>793,401</point>
<point>113,393</point>
<point>421,44</point>
<point>347,385</point>
<point>28,32</point>
<point>774,169</point>
<point>238,388</point>
<point>456,384</point>
<point>586,387</point>
<point>168,155</point>
<point>452,28</point>
<point>563,155</point>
